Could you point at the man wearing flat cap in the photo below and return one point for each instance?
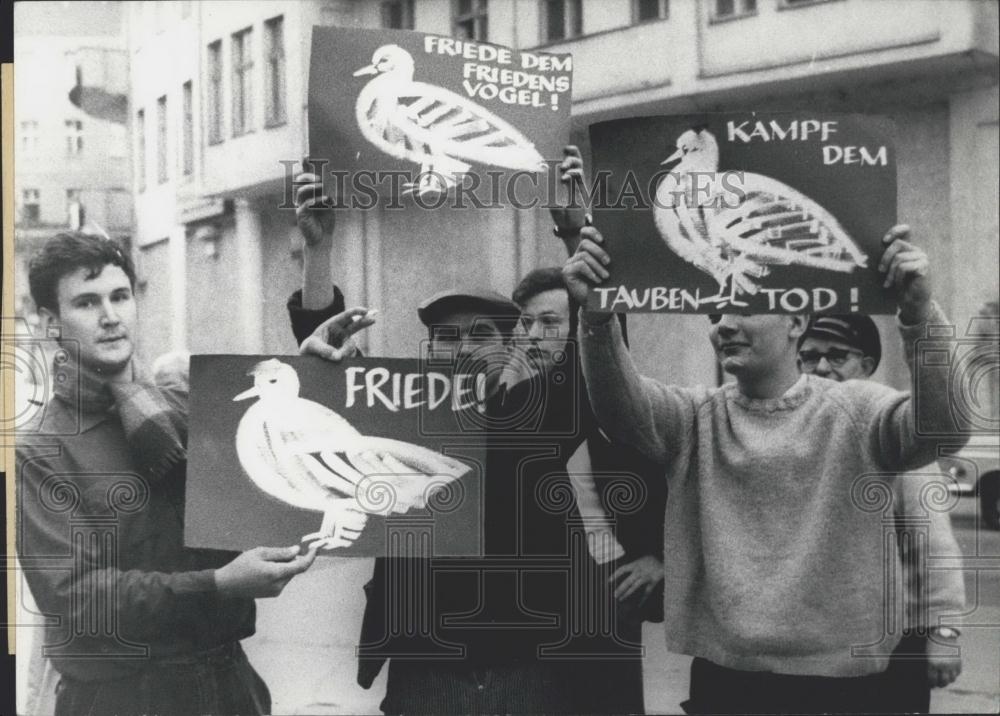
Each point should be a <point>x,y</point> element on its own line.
<point>840,347</point>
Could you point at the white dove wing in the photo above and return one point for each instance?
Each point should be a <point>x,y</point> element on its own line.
<point>777,224</point>
<point>685,228</point>
<point>291,453</point>
<point>430,470</point>
<point>432,120</point>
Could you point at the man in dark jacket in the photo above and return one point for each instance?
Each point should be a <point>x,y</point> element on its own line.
<point>138,623</point>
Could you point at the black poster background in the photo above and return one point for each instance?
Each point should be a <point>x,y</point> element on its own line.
<point>333,91</point>
<point>225,509</point>
<point>861,198</point>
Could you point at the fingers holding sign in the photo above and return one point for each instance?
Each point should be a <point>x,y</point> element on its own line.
<point>332,338</point>
<point>587,267</point>
<point>906,268</point>
<point>313,212</point>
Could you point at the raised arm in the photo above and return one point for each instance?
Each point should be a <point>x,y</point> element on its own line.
<point>652,417</point>
<point>319,298</point>
<point>568,212</point>
<point>906,429</point>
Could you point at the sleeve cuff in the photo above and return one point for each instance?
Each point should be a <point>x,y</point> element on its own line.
<point>195,582</point>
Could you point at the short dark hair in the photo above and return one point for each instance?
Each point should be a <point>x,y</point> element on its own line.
<point>540,280</point>
<point>65,253</point>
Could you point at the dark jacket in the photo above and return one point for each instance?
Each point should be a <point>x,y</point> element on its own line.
<point>103,551</point>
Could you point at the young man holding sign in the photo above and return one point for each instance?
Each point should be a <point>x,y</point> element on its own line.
<point>774,583</point>
<point>140,622</point>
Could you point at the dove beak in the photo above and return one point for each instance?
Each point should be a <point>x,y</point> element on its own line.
<point>369,70</point>
<point>675,157</point>
<point>248,393</point>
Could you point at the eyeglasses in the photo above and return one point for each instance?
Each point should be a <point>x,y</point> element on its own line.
<point>835,357</point>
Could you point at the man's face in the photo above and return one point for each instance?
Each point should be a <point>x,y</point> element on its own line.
<point>751,346</point>
<point>835,360</point>
<point>544,327</point>
<point>99,314</point>
<point>468,335</point>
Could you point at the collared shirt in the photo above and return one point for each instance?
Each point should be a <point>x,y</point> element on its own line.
<point>103,551</point>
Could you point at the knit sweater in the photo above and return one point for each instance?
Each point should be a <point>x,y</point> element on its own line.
<point>778,545</point>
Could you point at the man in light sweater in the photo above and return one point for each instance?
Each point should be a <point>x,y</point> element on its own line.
<point>775,574</point>
<point>848,347</point>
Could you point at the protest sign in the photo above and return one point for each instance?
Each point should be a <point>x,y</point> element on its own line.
<point>745,212</point>
<point>293,449</point>
<point>400,111</point>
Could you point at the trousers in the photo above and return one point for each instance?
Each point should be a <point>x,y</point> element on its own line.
<point>718,690</point>
<point>220,682</point>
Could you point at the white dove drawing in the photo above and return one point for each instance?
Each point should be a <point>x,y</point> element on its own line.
<point>735,238</point>
<point>434,127</point>
<point>308,456</point>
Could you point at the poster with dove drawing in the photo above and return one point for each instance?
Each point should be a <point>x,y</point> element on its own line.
<point>406,113</point>
<point>349,457</point>
<point>745,212</point>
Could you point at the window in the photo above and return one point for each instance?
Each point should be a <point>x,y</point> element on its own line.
<point>214,92</point>
<point>470,19</point>
<point>397,14</point>
<point>645,10</point>
<point>74,137</point>
<point>187,150</point>
<point>161,140</point>
<point>562,19</point>
<point>74,209</point>
<point>242,89</point>
<point>140,154</point>
<point>30,205</point>
<point>734,8</point>
<point>274,78</point>
<point>29,137</point>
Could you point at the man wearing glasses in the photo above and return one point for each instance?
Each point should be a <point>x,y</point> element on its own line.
<point>840,347</point>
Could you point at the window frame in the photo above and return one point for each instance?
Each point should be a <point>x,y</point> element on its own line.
<point>408,13</point>
<point>275,87</point>
<point>74,137</point>
<point>187,129</point>
<point>36,204</point>
<point>215,102</point>
<point>241,73</point>
<point>140,154</point>
<point>479,16</point>
<point>572,20</point>
<point>662,12</point>
<point>740,10</point>
<point>162,131</point>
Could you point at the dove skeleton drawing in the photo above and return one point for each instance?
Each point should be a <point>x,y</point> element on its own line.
<point>306,455</point>
<point>736,237</point>
<point>432,126</point>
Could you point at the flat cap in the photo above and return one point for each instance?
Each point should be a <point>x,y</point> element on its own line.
<point>486,303</point>
<point>855,329</point>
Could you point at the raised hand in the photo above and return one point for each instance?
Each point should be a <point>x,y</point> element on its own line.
<point>568,214</point>
<point>332,338</point>
<point>587,266</point>
<point>312,209</point>
<point>906,269</point>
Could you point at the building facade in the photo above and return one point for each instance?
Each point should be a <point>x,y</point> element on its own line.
<point>218,109</point>
<point>71,168</point>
